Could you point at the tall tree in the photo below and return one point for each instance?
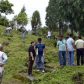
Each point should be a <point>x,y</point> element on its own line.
<point>36,21</point>
<point>22,19</point>
<point>71,11</point>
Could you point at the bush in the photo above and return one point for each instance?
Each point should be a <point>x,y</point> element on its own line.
<point>4,21</point>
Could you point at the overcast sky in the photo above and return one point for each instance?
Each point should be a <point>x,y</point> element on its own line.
<point>31,6</point>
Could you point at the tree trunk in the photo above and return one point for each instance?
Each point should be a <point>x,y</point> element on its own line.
<point>60,28</point>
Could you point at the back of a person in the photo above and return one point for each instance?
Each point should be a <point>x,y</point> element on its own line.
<point>79,44</point>
<point>49,33</point>
<point>69,43</point>
<point>40,47</point>
<point>62,45</point>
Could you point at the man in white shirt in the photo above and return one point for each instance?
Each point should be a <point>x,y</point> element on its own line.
<point>80,50</point>
<point>3,59</point>
<point>70,50</point>
<point>49,34</point>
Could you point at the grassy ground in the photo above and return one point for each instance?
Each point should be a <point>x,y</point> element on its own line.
<point>16,69</point>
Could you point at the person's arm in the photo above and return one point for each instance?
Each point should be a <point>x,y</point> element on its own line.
<point>44,51</point>
<point>66,47</point>
<point>57,43</point>
<point>83,44</point>
<point>73,43</point>
<point>4,58</point>
<point>36,49</point>
<point>31,54</point>
<point>76,44</point>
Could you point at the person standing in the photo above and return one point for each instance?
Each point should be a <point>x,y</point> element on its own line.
<point>40,55</point>
<point>70,50</point>
<point>80,51</point>
<point>32,54</point>
<point>61,43</point>
<point>49,34</point>
<point>23,31</point>
<point>3,60</point>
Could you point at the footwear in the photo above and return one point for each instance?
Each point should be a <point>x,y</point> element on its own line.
<point>38,70</point>
<point>30,75</point>
<point>43,71</point>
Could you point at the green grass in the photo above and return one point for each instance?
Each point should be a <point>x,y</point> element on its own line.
<point>18,56</point>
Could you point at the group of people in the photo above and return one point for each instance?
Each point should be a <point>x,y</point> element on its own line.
<point>36,56</point>
<point>67,48</point>
<point>36,52</point>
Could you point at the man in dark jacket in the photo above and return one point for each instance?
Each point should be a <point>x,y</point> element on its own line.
<point>32,55</point>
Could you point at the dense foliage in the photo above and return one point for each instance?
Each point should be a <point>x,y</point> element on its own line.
<point>35,22</point>
<point>21,18</point>
<point>60,11</point>
<point>5,8</point>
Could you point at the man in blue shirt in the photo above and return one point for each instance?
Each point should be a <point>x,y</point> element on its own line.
<point>40,53</point>
<point>62,50</point>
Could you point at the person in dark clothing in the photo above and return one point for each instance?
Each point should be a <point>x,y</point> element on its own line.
<point>32,55</point>
<point>40,47</point>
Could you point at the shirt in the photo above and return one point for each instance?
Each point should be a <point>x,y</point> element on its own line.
<point>3,57</point>
<point>31,49</point>
<point>69,44</point>
<point>49,33</point>
<point>79,43</point>
<point>62,45</point>
<point>40,48</point>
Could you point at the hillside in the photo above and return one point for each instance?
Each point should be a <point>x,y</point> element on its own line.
<point>16,67</point>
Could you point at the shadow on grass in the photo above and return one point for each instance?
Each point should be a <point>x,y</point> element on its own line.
<point>78,78</point>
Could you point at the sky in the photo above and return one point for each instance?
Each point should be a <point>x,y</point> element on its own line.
<point>31,6</point>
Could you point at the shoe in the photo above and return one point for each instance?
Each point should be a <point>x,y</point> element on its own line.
<point>38,70</point>
<point>30,75</point>
<point>43,71</point>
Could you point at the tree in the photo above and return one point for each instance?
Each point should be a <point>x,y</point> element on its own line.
<point>6,7</point>
<point>53,18</point>
<point>4,21</point>
<point>35,22</point>
<point>60,11</point>
<point>21,18</point>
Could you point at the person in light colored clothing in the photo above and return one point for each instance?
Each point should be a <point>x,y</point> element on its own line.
<point>3,60</point>
<point>70,50</point>
<point>80,50</point>
<point>49,34</point>
<point>61,43</point>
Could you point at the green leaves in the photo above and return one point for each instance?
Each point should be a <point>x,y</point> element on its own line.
<point>65,10</point>
<point>6,7</point>
<point>22,17</point>
<point>35,22</point>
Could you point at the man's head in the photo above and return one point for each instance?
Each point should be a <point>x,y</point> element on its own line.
<point>39,40</point>
<point>60,37</point>
<point>70,35</point>
<point>1,47</point>
<point>32,43</point>
<point>79,37</point>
